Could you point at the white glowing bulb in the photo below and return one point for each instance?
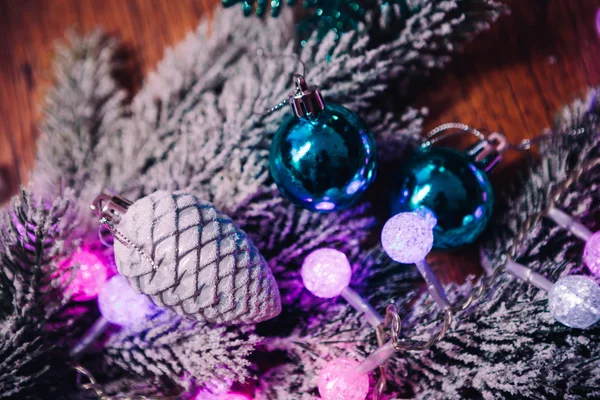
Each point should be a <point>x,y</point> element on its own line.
<point>326,272</point>
<point>122,305</point>
<point>407,237</point>
<point>575,301</point>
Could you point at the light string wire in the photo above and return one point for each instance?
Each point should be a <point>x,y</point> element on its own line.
<point>92,385</point>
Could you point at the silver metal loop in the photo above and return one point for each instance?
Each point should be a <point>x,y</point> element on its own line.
<point>110,208</point>
<point>447,130</point>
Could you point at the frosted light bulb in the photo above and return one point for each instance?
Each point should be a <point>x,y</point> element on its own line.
<point>591,253</point>
<point>338,380</point>
<point>89,276</point>
<point>407,237</point>
<point>122,305</point>
<point>119,304</point>
<point>326,272</point>
<point>574,301</point>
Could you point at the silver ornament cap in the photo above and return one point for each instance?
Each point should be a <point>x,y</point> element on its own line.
<point>187,256</point>
<point>306,101</point>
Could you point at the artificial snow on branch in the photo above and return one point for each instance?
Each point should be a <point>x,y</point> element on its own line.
<point>198,125</point>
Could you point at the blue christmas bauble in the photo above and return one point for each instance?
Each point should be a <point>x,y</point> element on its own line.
<point>324,163</point>
<point>451,186</point>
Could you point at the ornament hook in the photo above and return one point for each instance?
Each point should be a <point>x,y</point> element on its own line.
<point>488,152</point>
<point>110,208</point>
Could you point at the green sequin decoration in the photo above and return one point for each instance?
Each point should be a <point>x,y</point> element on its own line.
<point>323,16</point>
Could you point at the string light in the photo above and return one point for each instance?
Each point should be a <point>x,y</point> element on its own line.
<point>90,273</point>
<point>122,305</point>
<point>338,380</point>
<point>407,238</point>
<point>591,252</point>
<point>119,304</point>
<point>326,273</point>
<point>573,300</point>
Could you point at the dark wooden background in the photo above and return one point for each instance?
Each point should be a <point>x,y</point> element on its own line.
<point>511,79</point>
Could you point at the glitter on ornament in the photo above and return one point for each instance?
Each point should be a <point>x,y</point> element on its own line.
<point>407,237</point>
<point>575,301</point>
<point>338,380</point>
<point>89,276</point>
<point>591,253</point>
<point>122,305</point>
<point>326,272</point>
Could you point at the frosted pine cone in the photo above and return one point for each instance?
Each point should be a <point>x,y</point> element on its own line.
<point>195,261</point>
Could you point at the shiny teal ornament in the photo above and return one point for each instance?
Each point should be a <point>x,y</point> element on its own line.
<point>451,185</point>
<point>323,157</point>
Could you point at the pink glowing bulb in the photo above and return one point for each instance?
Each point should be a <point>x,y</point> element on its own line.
<point>598,22</point>
<point>407,237</point>
<point>234,396</point>
<point>122,305</point>
<point>326,272</point>
<point>338,380</point>
<point>228,396</point>
<point>90,273</point>
<point>591,253</point>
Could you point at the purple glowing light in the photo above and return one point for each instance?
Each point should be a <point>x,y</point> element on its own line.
<point>203,395</point>
<point>598,22</point>
<point>591,253</point>
<point>325,206</point>
<point>122,305</point>
<point>89,276</point>
<point>338,380</point>
<point>478,212</point>
<point>326,272</point>
<point>407,237</point>
<point>354,186</point>
<point>234,396</point>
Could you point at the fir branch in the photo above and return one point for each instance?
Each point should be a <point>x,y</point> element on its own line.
<point>82,114</point>
<point>35,233</point>
<point>175,347</point>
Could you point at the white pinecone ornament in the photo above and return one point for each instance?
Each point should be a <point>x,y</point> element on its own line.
<point>187,256</point>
